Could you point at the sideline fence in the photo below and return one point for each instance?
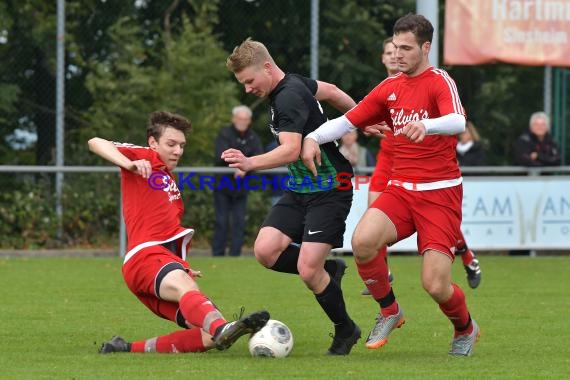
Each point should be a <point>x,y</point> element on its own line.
<point>483,173</point>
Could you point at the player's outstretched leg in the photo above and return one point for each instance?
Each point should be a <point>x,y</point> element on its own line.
<point>229,333</point>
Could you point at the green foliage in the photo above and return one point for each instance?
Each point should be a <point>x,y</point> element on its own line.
<point>27,218</point>
<point>183,73</point>
<point>54,297</point>
<point>91,214</point>
<point>91,210</point>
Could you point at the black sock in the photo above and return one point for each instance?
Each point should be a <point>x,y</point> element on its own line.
<point>332,302</point>
<point>287,261</point>
<point>387,300</point>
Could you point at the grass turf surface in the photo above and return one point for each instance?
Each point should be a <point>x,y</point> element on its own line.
<point>55,313</point>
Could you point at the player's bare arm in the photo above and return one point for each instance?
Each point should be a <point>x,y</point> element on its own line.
<point>333,95</point>
<point>107,150</point>
<point>288,151</point>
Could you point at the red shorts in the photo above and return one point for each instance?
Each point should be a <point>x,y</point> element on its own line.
<point>434,214</point>
<point>143,274</point>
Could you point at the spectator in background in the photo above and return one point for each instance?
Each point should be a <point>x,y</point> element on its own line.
<point>469,149</point>
<point>230,199</point>
<point>356,154</point>
<point>536,147</point>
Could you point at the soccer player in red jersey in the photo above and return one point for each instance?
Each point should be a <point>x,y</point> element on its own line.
<point>381,176</point>
<point>421,106</point>
<point>155,267</point>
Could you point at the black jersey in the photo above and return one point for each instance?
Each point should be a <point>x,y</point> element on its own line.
<point>293,108</point>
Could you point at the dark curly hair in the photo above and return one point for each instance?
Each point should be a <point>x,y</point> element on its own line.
<point>417,24</point>
<point>160,120</point>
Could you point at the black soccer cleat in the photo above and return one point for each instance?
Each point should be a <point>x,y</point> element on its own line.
<point>343,345</point>
<point>473,271</point>
<point>228,334</point>
<point>116,344</point>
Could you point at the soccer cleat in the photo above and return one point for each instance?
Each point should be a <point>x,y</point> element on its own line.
<point>336,268</point>
<point>342,346</point>
<point>462,345</point>
<point>116,344</point>
<point>228,334</point>
<point>473,271</point>
<point>384,326</point>
<point>366,292</point>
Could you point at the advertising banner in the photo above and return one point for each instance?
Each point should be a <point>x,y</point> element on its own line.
<point>499,213</point>
<point>526,32</point>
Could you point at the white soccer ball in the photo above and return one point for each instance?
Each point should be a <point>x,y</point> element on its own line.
<point>274,340</point>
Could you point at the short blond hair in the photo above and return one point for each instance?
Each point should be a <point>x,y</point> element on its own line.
<point>248,53</point>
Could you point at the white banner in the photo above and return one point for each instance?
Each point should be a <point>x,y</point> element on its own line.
<point>499,213</point>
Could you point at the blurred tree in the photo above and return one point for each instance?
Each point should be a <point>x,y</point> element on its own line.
<point>180,68</point>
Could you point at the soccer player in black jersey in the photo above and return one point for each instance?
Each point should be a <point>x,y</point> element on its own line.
<point>312,210</point>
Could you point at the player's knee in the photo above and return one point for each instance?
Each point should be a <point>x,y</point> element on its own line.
<point>435,288</point>
<point>306,272</point>
<point>364,248</point>
<point>264,252</point>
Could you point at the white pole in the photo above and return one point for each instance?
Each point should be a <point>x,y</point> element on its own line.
<point>315,39</point>
<point>59,114</point>
<point>429,9</point>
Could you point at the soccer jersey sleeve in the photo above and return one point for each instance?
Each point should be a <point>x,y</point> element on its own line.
<point>310,83</point>
<point>134,152</point>
<point>446,94</point>
<point>371,110</point>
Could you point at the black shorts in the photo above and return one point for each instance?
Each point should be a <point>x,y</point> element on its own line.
<point>314,217</point>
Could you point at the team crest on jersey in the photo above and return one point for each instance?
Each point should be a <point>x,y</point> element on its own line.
<point>401,118</point>
<point>171,188</point>
<point>392,97</point>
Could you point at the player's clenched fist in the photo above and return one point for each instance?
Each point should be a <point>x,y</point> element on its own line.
<point>414,131</point>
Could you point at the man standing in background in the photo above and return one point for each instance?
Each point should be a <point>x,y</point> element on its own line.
<point>230,199</point>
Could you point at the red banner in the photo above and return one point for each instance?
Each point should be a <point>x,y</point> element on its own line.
<point>526,32</point>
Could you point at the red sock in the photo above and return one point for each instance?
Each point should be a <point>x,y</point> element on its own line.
<point>180,341</point>
<point>461,249</point>
<point>467,257</point>
<point>375,277</point>
<point>455,308</point>
<point>199,311</point>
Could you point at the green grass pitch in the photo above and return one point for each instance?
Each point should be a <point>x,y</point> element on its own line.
<point>55,312</point>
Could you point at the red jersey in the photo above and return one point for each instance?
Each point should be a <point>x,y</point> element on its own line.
<point>152,207</point>
<point>399,100</point>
